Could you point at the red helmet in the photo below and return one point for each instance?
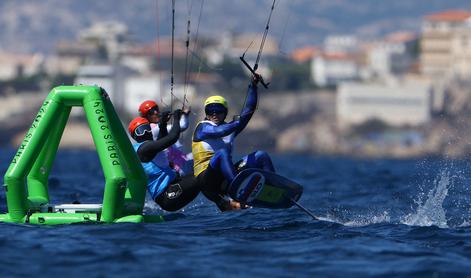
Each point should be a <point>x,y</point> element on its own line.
<point>138,127</point>
<point>146,106</point>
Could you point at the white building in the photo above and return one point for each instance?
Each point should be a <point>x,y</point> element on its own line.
<point>333,68</point>
<point>127,90</point>
<point>109,77</point>
<point>444,39</point>
<point>14,65</point>
<point>392,56</point>
<point>139,89</point>
<point>396,104</point>
<point>461,49</point>
<point>154,87</point>
<point>112,35</point>
<point>341,43</point>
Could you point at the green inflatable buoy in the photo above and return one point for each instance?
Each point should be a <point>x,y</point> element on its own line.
<point>26,180</point>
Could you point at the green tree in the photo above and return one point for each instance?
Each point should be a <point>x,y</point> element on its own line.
<point>290,76</point>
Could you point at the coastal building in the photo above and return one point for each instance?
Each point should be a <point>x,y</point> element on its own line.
<point>461,49</point>
<point>153,56</point>
<point>394,55</point>
<point>338,61</point>
<point>341,43</point>
<point>445,39</point>
<point>396,104</point>
<point>128,89</point>
<point>329,69</point>
<point>14,65</point>
<point>111,38</point>
<point>109,77</point>
<point>69,56</point>
<point>154,87</point>
<point>232,46</point>
<point>102,42</point>
<point>304,54</point>
<point>140,88</point>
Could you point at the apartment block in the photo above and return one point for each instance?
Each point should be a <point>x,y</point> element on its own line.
<point>445,39</point>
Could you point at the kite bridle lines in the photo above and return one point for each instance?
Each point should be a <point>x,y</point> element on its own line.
<point>262,43</point>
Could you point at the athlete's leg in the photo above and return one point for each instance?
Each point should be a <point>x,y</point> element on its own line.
<point>211,183</point>
<point>222,161</point>
<point>178,194</point>
<point>258,159</point>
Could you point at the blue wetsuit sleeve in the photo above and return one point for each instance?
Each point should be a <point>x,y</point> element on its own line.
<point>249,108</point>
<point>207,131</point>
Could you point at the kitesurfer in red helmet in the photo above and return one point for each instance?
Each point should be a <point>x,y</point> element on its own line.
<point>149,109</point>
<point>166,187</point>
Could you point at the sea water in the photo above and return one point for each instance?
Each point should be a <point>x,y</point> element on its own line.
<point>393,218</point>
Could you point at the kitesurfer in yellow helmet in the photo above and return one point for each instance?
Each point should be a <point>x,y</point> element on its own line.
<point>212,147</point>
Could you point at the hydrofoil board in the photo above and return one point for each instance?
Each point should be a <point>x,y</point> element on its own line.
<point>259,188</point>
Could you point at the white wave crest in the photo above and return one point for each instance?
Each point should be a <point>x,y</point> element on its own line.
<point>369,220</point>
<point>361,221</point>
<point>431,212</point>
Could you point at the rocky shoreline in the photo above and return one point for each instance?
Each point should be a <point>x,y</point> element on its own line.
<point>306,123</point>
<point>301,122</point>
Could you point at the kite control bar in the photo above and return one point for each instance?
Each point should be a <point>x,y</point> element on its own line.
<point>252,70</point>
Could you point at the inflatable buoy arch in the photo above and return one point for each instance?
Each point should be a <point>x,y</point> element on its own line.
<point>26,180</point>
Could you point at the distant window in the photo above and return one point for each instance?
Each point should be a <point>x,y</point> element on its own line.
<point>444,26</point>
<point>429,25</point>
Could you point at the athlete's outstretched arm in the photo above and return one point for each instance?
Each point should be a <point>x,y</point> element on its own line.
<point>149,149</point>
<point>184,123</point>
<point>163,131</point>
<point>249,107</point>
<point>206,131</point>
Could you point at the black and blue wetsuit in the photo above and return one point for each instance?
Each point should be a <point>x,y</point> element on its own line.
<point>166,187</point>
<point>212,150</point>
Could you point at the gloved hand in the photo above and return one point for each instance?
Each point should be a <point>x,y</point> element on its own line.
<point>165,117</point>
<point>256,78</point>
<point>187,110</point>
<point>177,114</point>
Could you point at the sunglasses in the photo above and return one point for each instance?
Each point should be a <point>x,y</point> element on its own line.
<point>142,129</point>
<point>215,109</point>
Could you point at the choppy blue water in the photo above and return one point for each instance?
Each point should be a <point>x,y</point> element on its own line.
<point>380,218</point>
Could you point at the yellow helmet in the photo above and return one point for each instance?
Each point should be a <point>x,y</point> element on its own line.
<point>216,99</point>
